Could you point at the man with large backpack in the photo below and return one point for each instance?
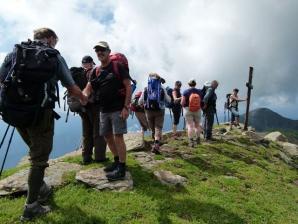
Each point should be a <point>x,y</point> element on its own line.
<point>191,102</point>
<point>90,121</point>
<point>154,99</point>
<point>233,107</point>
<point>28,84</point>
<point>209,108</point>
<point>111,85</point>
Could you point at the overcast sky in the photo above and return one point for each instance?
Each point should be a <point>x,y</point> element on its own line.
<point>179,39</point>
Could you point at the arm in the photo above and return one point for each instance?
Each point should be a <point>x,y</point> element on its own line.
<point>141,99</point>
<point>127,85</point>
<point>207,96</point>
<point>88,89</point>
<point>75,91</point>
<point>176,99</point>
<point>183,101</point>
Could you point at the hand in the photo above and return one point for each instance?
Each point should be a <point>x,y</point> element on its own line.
<point>84,100</point>
<point>124,113</point>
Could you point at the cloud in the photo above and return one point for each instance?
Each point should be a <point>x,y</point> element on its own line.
<point>207,40</point>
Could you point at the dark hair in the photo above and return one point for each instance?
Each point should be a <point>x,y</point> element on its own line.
<point>236,90</point>
<point>178,83</point>
<point>42,33</point>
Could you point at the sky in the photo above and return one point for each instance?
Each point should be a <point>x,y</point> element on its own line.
<point>179,39</point>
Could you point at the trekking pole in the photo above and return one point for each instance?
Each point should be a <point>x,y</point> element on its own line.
<point>4,136</point>
<point>205,125</point>
<point>8,146</point>
<point>216,118</point>
<point>67,115</point>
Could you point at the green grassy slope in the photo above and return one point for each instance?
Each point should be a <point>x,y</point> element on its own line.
<point>227,183</point>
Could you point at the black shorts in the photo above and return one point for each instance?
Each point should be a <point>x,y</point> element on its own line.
<point>176,114</point>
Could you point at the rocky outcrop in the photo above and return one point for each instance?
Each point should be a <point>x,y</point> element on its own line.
<point>276,137</point>
<point>96,178</point>
<point>54,176</point>
<point>289,153</point>
<point>168,178</point>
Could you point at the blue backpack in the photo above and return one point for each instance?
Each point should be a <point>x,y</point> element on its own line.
<point>154,95</point>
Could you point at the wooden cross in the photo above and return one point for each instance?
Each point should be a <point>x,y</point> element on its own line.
<point>249,88</point>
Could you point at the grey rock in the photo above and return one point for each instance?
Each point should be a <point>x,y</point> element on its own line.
<point>251,129</point>
<point>289,153</point>
<point>276,137</point>
<point>168,178</point>
<point>17,183</point>
<point>147,160</point>
<point>96,178</point>
<point>251,135</point>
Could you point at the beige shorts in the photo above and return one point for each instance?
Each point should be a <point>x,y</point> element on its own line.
<point>141,116</point>
<point>192,116</point>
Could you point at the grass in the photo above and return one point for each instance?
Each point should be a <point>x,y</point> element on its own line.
<point>226,184</point>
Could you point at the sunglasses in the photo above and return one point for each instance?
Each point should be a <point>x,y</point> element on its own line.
<point>100,49</point>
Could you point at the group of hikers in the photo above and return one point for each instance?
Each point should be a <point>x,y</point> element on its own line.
<point>101,95</point>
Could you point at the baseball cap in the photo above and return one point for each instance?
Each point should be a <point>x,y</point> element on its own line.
<point>102,44</point>
<point>87,59</point>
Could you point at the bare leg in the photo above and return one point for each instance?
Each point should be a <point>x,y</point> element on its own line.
<point>121,147</point>
<point>111,143</point>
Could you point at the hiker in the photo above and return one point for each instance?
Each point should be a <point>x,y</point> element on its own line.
<point>111,85</point>
<point>209,109</point>
<point>90,123</point>
<point>39,134</point>
<point>140,114</point>
<point>233,107</point>
<point>191,102</point>
<point>176,108</point>
<point>154,98</point>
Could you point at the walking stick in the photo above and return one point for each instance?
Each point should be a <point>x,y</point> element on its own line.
<point>216,118</point>
<point>8,146</point>
<point>67,115</point>
<point>4,136</point>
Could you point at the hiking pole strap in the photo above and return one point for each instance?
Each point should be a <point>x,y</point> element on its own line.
<point>8,146</point>
<point>4,136</point>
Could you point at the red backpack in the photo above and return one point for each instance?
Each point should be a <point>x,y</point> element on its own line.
<point>194,102</point>
<point>119,58</point>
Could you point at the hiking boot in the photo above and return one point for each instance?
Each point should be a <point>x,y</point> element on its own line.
<point>111,167</point>
<point>155,149</point>
<point>117,174</point>
<point>191,143</point>
<point>33,210</point>
<point>44,193</point>
<point>198,140</point>
<point>86,161</point>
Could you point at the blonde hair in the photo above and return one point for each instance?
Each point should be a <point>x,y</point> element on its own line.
<point>44,32</point>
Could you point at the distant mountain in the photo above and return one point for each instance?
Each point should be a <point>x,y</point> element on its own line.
<point>264,119</point>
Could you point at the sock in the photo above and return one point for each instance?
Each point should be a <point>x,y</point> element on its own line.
<point>116,159</point>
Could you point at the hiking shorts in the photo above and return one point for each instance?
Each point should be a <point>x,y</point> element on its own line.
<point>192,116</point>
<point>112,123</point>
<point>234,113</point>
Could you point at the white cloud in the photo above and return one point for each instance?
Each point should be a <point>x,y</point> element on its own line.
<point>179,39</point>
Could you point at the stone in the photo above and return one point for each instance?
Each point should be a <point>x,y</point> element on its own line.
<point>295,182</point>
<point>96,178</point>
<point>290,153</point>
<point>147,159</point>
<point>251,135</point>
<point>249,128</point>
<point>133,141</point>
<point>276,137</point>
<point>168,178</point>
<point>54,176</point>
